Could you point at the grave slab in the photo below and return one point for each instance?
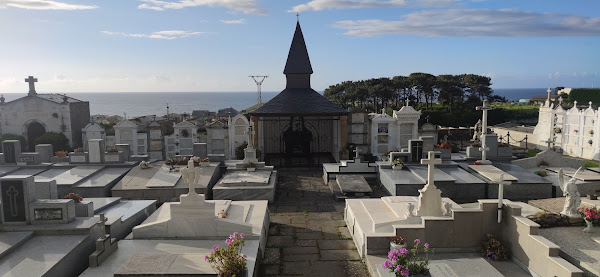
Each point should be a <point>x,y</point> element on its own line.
<point>491,172</point>
<point>583,175</point>
<point>164,178</point>
<point>353,185</point>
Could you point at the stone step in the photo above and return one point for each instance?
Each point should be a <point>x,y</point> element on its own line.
<point>11,240</point>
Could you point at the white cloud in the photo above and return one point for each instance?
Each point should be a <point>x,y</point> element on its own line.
<point>42,5</point>
<point>318,5</point>
<point>477,23</point>
<point>237,21</point>
<point>244,6</point>
<point>174,34</point>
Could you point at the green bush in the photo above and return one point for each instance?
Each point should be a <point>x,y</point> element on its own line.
<point>58,140</point>
<point>13,137</point>
<point>585,95</point>
<point>239,151</point>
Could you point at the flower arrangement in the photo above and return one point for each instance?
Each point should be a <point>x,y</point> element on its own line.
<point>61,154</point>
<point>74,196</point>
<point>503,144</point>
<point>492,249</point>
<point>398,240</point>
<point>382,130</point>
<point>229,261</point>
<point>112,150</point>
<point>78,150</point>
<point>185,133</point>
<point>205,160</point>
<point>176,161</point>
<point>477,163</point>
<point>541,173</point>
<point>144,164</point>
<point>543,163</point>
<point>557,130</point>
<point>397,162</point>
<point>476,144</point>
<point>591,132</point>
<point>403,262</point>
<point>443,145</point>
<point>588,213</point>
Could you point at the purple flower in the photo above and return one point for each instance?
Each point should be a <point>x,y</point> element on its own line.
<point>491,256</point>
<point>228,241</point>
<point>242,235</point>
<point>398,268</point>
<point>405,272</point>
<point>417,240</point>
<point>403,251</point>
<point>391,254</point>
<point>387,264</point>
<point>426,245</point>
<point>206,258</point>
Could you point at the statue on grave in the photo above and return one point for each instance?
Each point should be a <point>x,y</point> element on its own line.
<point>571,193</point>
<point>477,131</point>
<point>191,175</point>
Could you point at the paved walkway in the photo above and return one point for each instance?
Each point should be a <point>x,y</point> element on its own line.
<point>308,235</point>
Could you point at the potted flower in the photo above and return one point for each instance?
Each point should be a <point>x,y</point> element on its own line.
<point>61,154</point>
<point>492,249</point>
<point>591,215</point>
<point>229,261</point>
<point>205,162</point>
<point>74,196</point>
<point>397,243</point>
<point>477,163</point>
<point>403,262</point>
<point>144,164</point>
<point>476,144</point>
<point>78,150</point>
<point>397,164</point>
<point>169,161</point>
<point>112,150</point>
<point>445,150</point>
<point>250,167</point>
<point>185,133</point>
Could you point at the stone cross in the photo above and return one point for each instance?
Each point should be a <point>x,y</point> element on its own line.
<point>383,111</point>
<point>485,108</point>
<point>191,175</point>
<point>357,151</point>
<point>549,141</point>
<point>549,90</point>
<point>31,82</point>
<point>407,101</point>
<point>102,224</point>
<point>12,198</point>
<point>430,162</point>
<point>501,182</point>
<point>250,135</point>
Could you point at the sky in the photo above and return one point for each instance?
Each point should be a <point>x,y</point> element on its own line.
<point>214,45</point>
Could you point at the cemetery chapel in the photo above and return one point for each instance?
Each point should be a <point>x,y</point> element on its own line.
<point>35,114</point>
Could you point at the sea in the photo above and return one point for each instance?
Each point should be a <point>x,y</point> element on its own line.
<point>155,103</point>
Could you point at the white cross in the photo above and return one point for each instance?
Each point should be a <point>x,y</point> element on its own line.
<point>191,175</point>
<point>549,141</point>
<point>31,82</point>
<point>501,182</point>
<point>407,101</point>
<point>430,162</point>
<point>357,151</point>
<point>250,134</point>
<point>485,108</point>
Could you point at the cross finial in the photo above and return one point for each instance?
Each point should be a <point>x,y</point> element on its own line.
<point>31,82</point>
<point>407,101</point>
<point>297,17</point>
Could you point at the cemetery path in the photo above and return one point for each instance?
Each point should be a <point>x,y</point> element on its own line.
<point>308,235</point>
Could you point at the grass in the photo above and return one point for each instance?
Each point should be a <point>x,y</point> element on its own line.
<point>533,152</point>
<point>305,212</point>
<point>591,164</point>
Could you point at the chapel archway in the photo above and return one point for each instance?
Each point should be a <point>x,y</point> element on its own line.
<point>34,130</point>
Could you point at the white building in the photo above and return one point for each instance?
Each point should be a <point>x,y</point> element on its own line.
<point>35,114</point>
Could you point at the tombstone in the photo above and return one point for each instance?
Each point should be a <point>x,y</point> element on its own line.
<point>403,156</point>
<point>200,150</point>
<point>125,149</point>
<point>415,147</point>
<point>52,211</point>
<point>46,152</point>
<point>430,197</point>
<point>29,158</point>
<point>46,189</point>
<point>17,192</point>
<point>11,150</point>
<point>1,158</point>
<point>92,131</point>
<point>250,152</point>
<point>155,141</point>
<point>428,143</point>
<point>96,150</point>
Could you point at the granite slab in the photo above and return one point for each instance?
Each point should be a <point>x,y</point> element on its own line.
<point>583,175</point>
<point>28,171</point>
<point>101,203</point>
<point>4,170</point>
<point>11,240</point>
<point>164,178</point>
<point>461,176</point>
<point>104,177</point>
<point>438,174</point>
<point>523,176</point>
<point>353,184</point>
<point>241,178</point>
<point>68,176</point>
<point>492,173</point>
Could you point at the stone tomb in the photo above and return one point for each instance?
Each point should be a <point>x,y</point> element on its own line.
<point>353,186</point>
<point>352,167</point>
<point>11,150</point>
<point>46,151</point>
<point>17,191</point>
<point>244,185</point>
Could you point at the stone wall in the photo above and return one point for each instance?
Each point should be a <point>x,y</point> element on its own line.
<point>80,117</point>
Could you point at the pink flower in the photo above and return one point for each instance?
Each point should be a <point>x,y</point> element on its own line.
<point>426,245</point>
<point>417,240</point>
<point>405,272</point>
<point>242,235</point>
<point>391,254</point>
<point>403,251</point>
<point>206,258</point>
<point>398,268</point>
<point>387,264</point>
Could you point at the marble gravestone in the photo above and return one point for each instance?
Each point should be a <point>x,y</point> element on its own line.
<point>415,146</point>
<point>96,150</point>
<point>200,150</point>
<point>430,197</point>
<point>46,151</point>
<point>17,192</point>
<point>123,147</point>
<point>428,143</point>
<point>11,150</point>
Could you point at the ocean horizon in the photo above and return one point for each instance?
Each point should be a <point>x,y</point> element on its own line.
<point>155,103</point>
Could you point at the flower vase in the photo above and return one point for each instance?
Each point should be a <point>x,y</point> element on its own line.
<point>251,169</point>
<point>395,246</point>
<point>590,226</point>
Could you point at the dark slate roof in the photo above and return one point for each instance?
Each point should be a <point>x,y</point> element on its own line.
<point>299,101</point>
<point>298,61</point>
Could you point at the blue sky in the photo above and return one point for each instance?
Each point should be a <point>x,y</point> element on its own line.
<point>213,45</point>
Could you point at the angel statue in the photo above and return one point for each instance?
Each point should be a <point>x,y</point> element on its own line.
<point>571,193</point>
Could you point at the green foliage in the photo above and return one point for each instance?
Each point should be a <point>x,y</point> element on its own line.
<point>492,249</point>
<point>589,164</point>
<point>13,137</point>
<point>58,140</point>
<point>239,151</point>
<point>533,152</point>
<point>585,95</point>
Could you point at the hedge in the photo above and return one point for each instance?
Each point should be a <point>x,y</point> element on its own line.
<point>584,95</point>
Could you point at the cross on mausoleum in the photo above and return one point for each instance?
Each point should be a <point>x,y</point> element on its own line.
<point>501,182</point>
<point>102,224</point>
<point>12,199</point>
<point>31,82</point>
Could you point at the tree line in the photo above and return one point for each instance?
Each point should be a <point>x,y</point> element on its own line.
<point>453,92</point>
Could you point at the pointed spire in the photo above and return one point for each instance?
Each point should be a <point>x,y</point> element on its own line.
<point>298,61</point>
